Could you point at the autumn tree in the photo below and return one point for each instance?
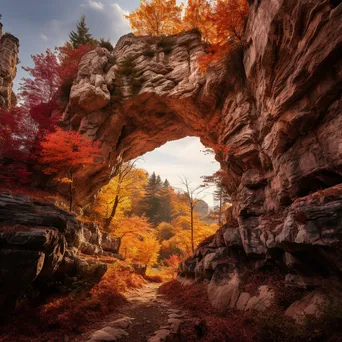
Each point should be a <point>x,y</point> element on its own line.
<point>82,35</point>
<point>38,93</point>
<point>156,17</point>
<point>69,60</point>
<point>120,188</point>
<point>191,193</point>
<point>16,137</point>
<point>221,195</point>
<point>138,240</point>
<point>64,152</point>
<point>172,262</point>
<point>222,29</point>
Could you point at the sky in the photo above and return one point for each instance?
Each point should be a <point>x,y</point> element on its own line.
<point>42,24</point>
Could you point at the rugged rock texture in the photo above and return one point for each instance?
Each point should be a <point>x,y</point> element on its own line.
<point>38,241</point>
<point>271,112</point>
<point>9,50</point>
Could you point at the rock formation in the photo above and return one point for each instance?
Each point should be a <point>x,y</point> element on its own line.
<point>39,241</point>
<point>271,112</point>
<point>9,49</point>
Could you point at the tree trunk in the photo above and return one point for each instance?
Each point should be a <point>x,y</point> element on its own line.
<point>70,192</point>
<point>192,228</point>
<point>220,210</point>
<point>112,214</point>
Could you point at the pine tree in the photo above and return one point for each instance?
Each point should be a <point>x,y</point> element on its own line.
<point>151,201</point>
<point>165,213</point>
<point>82,35</point>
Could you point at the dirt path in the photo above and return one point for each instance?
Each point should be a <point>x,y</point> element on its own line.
<point>148,316</point>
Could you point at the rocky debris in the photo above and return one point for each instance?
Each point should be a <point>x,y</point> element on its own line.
<point>9,50</point>
<point>114,331</point>
<point>311,304</point>
<point>40,242</point>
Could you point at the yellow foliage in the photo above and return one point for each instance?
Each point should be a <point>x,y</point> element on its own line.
<point>156,17</point>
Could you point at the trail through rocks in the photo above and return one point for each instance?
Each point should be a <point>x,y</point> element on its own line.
<point>147,316</point>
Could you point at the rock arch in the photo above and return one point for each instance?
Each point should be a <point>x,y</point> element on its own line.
<point>272,113</point>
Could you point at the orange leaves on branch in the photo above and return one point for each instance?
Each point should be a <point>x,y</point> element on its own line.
<point>66,151</point>
<point>156,17</point>
<point>220,22</point>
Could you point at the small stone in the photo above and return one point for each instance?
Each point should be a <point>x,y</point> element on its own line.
<point>116,332</point>
<point>102,335</point>
<point>174,315</point>
<point>122,323</point>
<point>174,321</point>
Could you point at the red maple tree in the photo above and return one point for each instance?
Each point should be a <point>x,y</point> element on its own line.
<point>64,152</point>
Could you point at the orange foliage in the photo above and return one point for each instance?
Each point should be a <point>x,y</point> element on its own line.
<point>220,22</point>
<point>156,17</point>
<point>226,21</point>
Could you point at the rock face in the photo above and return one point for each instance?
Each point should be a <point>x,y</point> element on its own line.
<point>271,112</point>
<point>38,241</point>
<point>9,49</point>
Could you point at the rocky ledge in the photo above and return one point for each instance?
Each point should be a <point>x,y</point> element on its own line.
<point>301,254</point>
<point>40,242</point>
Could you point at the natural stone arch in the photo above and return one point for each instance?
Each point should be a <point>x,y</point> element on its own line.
<point>271,113</point>
<point>175,100</point>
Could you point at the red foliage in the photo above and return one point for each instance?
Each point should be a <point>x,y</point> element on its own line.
<point>208,324</point>
<point>43,83</point>
<point>66,151</point>
<point>69,60</point>
<point>15,146</point>
<point>73,313</point>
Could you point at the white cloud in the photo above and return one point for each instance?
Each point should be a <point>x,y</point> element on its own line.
<point>43,37</point>
<point>182,158</point>
<point>120,23</point>
<point>97,5</point>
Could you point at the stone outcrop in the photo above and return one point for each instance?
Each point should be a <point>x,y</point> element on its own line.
<point>9,50</point>
<point>272,113</point>
<point>39,241</point>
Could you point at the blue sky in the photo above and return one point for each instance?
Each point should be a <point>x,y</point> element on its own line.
<point>42,24</point>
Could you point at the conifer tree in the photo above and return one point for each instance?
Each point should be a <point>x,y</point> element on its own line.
<point>151,201</point>
<point>82,35</point>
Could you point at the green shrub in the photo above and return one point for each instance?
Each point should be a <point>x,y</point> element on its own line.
<point>106,44</point>
<point>166,44</point>
<point>127,66</point>
<point>149,52</point>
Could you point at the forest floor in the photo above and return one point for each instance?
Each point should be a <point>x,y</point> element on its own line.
<point>148,316</point>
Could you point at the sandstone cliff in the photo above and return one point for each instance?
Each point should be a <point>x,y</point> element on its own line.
<point>271,112</point>
<point>9,49</point>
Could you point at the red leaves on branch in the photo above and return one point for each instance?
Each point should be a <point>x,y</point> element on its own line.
<point>44,80</point>
<point>65,151</point>
<point>69,60</point>
<point>15,146</point>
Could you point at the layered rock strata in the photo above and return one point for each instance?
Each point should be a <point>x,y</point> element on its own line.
<point>9,50</point>
<point>272,114</point>
<point>39,241</point>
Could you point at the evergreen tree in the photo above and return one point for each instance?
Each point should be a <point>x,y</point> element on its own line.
<point>165,214</point>
<point>82,35</point>
<point>151,201</point>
